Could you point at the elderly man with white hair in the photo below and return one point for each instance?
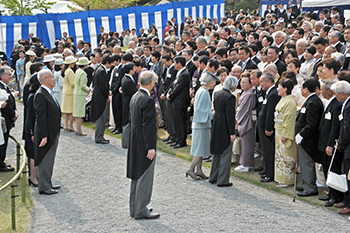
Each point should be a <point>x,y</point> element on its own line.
<point>300,48</point>
<point>279,38</point>
<point>342,93</point>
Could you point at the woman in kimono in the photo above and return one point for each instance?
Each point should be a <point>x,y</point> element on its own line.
<point>201,125</point>
<point>285,115</point>
<point>245,124</point>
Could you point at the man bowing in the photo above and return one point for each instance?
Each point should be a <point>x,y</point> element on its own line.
<point>46,131</point>
<point>142,148</point>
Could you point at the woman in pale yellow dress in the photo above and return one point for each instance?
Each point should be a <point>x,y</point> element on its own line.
<point>285,115</point>
<point>67,93</point>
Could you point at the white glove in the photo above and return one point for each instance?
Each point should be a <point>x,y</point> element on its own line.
<point>298,138</point>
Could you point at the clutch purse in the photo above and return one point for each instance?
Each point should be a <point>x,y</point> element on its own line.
<point>236,148</point>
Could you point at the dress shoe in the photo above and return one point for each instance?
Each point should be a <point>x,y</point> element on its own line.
<point>80,133</point>
<point>148,216</point>
<point>167,139</point>
<point>209,160</point>
<point>56,187</point>
<point>48,192</point>
<point>171,141</point>
<point>266,179</point>
<point>201,175</point>
<point>307,194</point>
<point>118,131</point>
<point>339,205</point>
<point>258,169</point>
<point>103,142</point>
<point>299,188</point>
<point>8,165</point>
<point>30,182</point>
<point>206,157</point>
<point>7,169</point>
<point>329,203</point>
<point>192,175</point>
<point>225,185</point>
<point>344,211</point>
<point>174,144</point>
<point>179,146</point>
<point>162,126</point>
<point>212,182</point>
<point>263,176</point>
<point>325,198</point>
<point>262,172</point>
<point>242,169</point>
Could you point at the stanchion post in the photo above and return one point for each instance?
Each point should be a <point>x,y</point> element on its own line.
<point>24,179</point>
<point>13,206</point>
<point>18,149</point>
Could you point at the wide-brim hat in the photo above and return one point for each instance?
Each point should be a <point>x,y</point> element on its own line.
<point>48,58</point>
<point>83,61</point>
<point>57,55</point>
<point>69,60</point>
<point>30,53</point>
<point>59,61</point>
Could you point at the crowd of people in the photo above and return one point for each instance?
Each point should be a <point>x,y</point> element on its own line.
<point>275,85</point>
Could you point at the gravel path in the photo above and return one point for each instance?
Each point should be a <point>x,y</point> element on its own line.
<point>94,197</point>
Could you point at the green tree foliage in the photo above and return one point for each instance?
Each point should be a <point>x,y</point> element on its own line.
<point>236,5</point>
<point>25,7</point>
<point>100,4</point>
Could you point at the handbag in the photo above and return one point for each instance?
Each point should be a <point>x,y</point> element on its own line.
<point>334,180</point>
<point>126,136</point>
<point>236,148</point>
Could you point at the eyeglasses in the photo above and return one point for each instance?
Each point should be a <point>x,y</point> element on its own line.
<point>289,28</point>
<point>268,17</point>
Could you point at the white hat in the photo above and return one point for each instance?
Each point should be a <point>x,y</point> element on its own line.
<point>57,55</point>
<point>30,53</point>
<point>69,60</point>
<point>59,61</point>
<point>48,58</point>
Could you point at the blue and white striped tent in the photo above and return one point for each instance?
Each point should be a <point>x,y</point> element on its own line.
<point>85,25</point>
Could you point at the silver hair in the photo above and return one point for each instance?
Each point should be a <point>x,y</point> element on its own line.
<point>269,77</point>
<point>328,83</point>
<point>70,52</point>
<point>341,87</point>
<point>4,70</point>
<point>206,78</point>
<point>139,49</point>
<point>230,82</point>
<point>79,54</point>
<point>271,68</point>
<point>146,77</point>
<point>337,34</point>
<point>236,67</point>
<point>43,74</point>
<point>201,39</point>
<point>302,40</point>
<point>224,43</point>
<point>332,47</point>
<point>319,23</point>
<point>279,32</point>
<point>339,56</point>
<point>131,51</point>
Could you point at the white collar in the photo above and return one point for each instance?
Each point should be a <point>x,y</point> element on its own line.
<point>147,91</point>
<point>47,89</point>
<point>268,90</point>
<point>179,72</point>
<point>345,102</point>
<point>328,102</point>
<point>5,85</point>
<point>314,93</point>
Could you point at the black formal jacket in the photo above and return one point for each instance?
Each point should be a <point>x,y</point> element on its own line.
<point>224,121</point>
<point>129,89</point>
<point>143,134</point>
<point>267,112</point>
<point>260,96</point>
<point>339,46</point>
<point>25,94</point>
<point>47,124</point>
<point>307,124</point>
<point>191,67</point>
<point>328,130</point>
<point>281,67</point>
<point>100,93</point>
<point>168,78</point>
<point>251,65</point>
<point>29,126</point>
<point>296,10</point>
<point>290,19</point>
<point>344,134</point>
<point>117,75</point>
<point>179,90</point>
<point>256,60</point>
<point>9,111</point>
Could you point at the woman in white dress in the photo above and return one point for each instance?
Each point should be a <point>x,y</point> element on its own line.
<point>308,65</point>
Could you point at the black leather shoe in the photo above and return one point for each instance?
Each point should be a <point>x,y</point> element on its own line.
<point>103,142</point>
<point>174,144</point>
<point>299,188</point>
<point>7,169</point>
<point>225,185</point>
<point>149,216</point>
<point>258,169</point>
<point>212,182</point>
<point>171,141</point>
<point>56,187</point>
<point>329,203</point>
<point>8,165</point>
<point>118,131</point>
<point>262,172</point>
<point>48,192</point>
<point>266,179</point>
<point>179,146</point>
<point>167,139</point>
<point>325,198</point>
<point>263,176</point>
<point>307,194</point>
